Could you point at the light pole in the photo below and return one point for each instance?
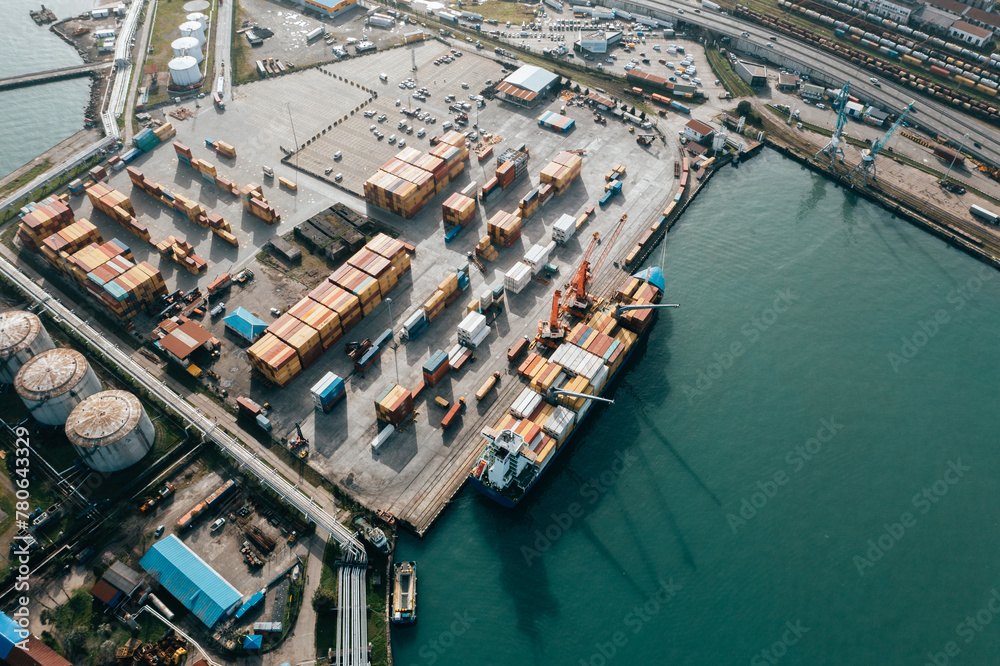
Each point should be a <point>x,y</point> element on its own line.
<point>955,158</point>
<point>296,141</point>
<point>392,333</point>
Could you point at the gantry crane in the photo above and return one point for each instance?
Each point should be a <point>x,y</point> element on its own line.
<point>867,164</point>
<point>576,299</point>
<point>836,145</point>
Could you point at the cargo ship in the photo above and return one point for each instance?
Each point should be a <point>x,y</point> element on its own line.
<point>404,593</point>
<point>551,409</point>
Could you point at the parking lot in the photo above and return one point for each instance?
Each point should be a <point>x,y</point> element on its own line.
<point>362,151</point>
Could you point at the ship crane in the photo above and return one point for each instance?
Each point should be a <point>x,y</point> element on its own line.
<point>868,155</point>
<point>585,396</point>
<point>619,309</point>
<point>836,145</point>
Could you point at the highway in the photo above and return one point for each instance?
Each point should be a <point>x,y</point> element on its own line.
<point>931,115</point>
<point>352,595</point>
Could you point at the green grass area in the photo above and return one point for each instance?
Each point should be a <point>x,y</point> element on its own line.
<point>46,190</point>
<point>27,176</point>
<point>733,84</point>
<point>324,599</point>
<point>244,67</point>
<point>514,12</point>
<point>376,614</point>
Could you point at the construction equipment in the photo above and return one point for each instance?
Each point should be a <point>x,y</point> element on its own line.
<point>836,145</point>
<point>867,164</point>
<point>645,139</point>
<point>476,262</point>
<point>355,350</point>
<point>299,440</point>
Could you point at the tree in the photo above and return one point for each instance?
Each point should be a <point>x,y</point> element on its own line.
<point>106,653</point>
<point>744,109</point>
<point>643,115</point>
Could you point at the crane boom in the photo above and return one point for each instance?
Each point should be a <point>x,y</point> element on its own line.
<point>867,164</point>
<point>836,145</point>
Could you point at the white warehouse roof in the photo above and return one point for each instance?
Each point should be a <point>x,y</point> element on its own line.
<point>531,78</point>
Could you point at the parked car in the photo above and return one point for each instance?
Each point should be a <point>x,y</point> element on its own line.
<point>217,525</point>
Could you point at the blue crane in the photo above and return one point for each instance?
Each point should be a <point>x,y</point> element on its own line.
<point>867,164</point>
<point>837,141</point>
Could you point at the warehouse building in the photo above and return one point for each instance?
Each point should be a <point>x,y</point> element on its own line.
<point>243,324</point>
<point>182,338</point>
<point>698,131</point>
<point>117,584</point>
<point>527,86</point>
<point>327,7</point>
<point>754,75</point>
<point>969,33</point>
<point>19,648</point>
<point>191,581</point>
<point>596,41</point>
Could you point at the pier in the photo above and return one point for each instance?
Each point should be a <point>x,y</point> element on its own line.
<point>51,75</point>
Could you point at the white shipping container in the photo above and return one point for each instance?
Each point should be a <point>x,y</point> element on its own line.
<point>537,257</point>
<point>525,404</point>
<point>564,229</point>
<point>559,423</point>
<point>600,379</point>
<point>478,338</point>
<point>486,298</point>
<point>414,320</point>
<point>472,323</point>
<point>517,278</point>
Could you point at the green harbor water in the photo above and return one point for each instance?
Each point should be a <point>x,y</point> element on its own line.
<point>801,465</point>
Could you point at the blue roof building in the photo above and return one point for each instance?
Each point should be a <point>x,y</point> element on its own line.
<point>243,324</point>
<point>253,642</point>
<point>191,580</point>
<point>10,635</point>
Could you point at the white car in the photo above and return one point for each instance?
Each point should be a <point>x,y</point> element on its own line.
<point>465,86</point>
<point>821,106</point>
<point>218,524</point>
<point>392,139</point>
<point>421,132</point>
<point>402,143</point>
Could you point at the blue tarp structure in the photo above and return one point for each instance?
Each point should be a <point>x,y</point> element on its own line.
<point>244,324</point>
<point>10,635</point>
<point>251,602</point>
<point>252,642</point>
<point>191,580</point>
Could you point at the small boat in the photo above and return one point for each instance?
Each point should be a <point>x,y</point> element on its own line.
<point>404,593</point>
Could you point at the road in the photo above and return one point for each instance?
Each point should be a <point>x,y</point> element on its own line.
<point>52,75</point>
<point>223,44</point>
<point>932,115</point>
<point>142,50</point>
<point>353,623</point>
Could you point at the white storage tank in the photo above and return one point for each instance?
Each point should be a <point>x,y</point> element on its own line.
<point>110,430</point>
<point>199,18</point>
<point>22,337</point>
<point>54,382</point>
<point>193,29</point>
<point>187,46</point>
<point>184,71</point>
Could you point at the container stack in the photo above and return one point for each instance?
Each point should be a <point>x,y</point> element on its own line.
<point>504,228</point>
<point>547,376</point>
<point>491,190</point>
<point>42,219</point>
<point>146,140</point>
<point>530,203</point>
<point>576,385</point>
<point>511,165</point>
<point>393,250</point>
<point>407,182</point>
<point>304,339</point>
<point>581,363</point>
<point>517,278</point>
<point>93,257</point>
<point>210,175</point>
<point>224,149</point>
<point>346,305</point>
<point>485,249</point>
<point>183,153</point>
<point>563,229</point>
<point>538,256</point>
<point>525,404</point>
<point>562,171</point>
<point>117,206</point>
<point>58,247</point>
<point>182,253</point>
<point>434,306</point>
<point>393,404</point>
<point>328,391</point>
<point>165,132</point>
<point>376,266</point>
<point>98,173</point>
<point>274,361</point>
<point>436,368</point>
<point>605,346</point>
<point>555,121</point>
<point>192,209</point>
<point>473,330</point>
<point>131,292</point>
<point>318,316</point>
<point>414,325</point>
<point>359,283</point>
<point>459,210</point>
<point>255,204</point>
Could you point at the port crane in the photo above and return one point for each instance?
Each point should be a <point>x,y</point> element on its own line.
<point>867,164</point>
<point>837,141</point>
<point>575,299</point>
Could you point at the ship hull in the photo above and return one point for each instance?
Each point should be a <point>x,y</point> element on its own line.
<point>509,502</point>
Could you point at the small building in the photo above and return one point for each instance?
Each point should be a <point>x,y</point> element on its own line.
<point>19,647</point>
<point>243,324</point>
<point>698,131</point>
<point>754,75</point>
<point>288,252</point>
<point>527,86</point>
<point>875,117</point>
<point>970,34</point>
<point>182,338</point>
<point>602,102</point>
<point>855,110</point>
<point>100,13</point>
<point>983,18</point>
<point>117,584</point>
<point>329,8</point>
<point>788,82</point>
<point>597,41</point>
<point>809,91</point>
<point>191,581</point>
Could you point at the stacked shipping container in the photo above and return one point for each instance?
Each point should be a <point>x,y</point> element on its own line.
<point>408,181</point>
<point>458,209</point>
<point>562,171</point>
<point>192,209</point>
<point>255,204</point>
<point>504,228</point>
<point>117,206</point>
<point>42,219</point>
<point>393,404</point>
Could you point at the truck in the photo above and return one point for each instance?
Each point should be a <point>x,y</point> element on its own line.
<point>487,386</point>
<point>219,284</point>
<point>517,351</point>
<point>218,100</point>
<point>457,408</point>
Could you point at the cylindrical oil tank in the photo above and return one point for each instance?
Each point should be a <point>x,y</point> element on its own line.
<point>184,71</point>
<point>110,430</point>
<point>54,382</point>
<point>22,337</point>
<point>187,46</point>
<point>193,29</point>
<point>198,17</point>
